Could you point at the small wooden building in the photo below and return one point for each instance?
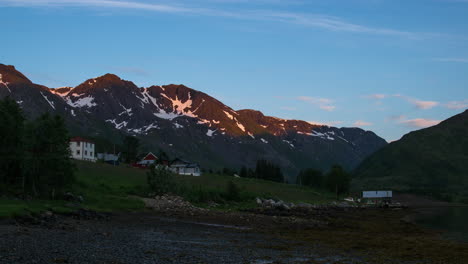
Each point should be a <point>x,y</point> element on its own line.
<point>183,167</point>
<point>378,196</point>
<point>147,161</point>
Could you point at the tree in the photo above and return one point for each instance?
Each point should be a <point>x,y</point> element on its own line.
<point>130,152</point>
<point>267,171</point>
<point>11,150</point>
<point>160,179</point>
<point>338,180</point>
<point>310,177</point>
<point>243,172</point>
<point>47,167</point>
<point>232,192</point>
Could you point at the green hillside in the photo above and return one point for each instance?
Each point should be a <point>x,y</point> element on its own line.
<point>431,161</point>
<point>106,188</point>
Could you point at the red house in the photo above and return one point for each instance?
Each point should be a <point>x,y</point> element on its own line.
<point>148,160</point>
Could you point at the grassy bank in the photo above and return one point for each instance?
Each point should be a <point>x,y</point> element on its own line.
<point>107,188</point>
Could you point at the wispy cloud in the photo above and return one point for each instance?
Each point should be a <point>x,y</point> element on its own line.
<point>329,123</point>
<point>361,123</point>
<point>323,103</point>
<point>457,104</point>
<point>420,122</point>
<point>376,96</point>
<point>420,104</point>
<point>413,123</point>
<point>460,60</point>
<point>330,23</point>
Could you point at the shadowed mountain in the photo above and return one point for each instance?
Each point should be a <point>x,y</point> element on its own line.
<point>429,161</point>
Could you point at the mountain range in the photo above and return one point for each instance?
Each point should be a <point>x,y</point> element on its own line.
<point>431,161</point>
<point>189,124</point>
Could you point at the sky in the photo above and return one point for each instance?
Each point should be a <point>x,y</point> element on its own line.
<point>389,66</point>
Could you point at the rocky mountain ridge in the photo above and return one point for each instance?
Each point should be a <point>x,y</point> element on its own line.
<point>190,123</point>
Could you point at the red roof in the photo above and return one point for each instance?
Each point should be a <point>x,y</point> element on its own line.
<point>150,156</point>
<point>80,139</point>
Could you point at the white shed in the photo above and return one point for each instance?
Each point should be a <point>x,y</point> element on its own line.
<point>377,194</point>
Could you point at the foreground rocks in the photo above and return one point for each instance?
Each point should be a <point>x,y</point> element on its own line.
<point>170,203</point>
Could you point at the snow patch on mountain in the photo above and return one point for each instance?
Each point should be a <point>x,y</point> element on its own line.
<point>210,132</point>
<point>169,116</point>
<point>288,142</point>
<point>82,102</point>
<point>251,135</point>
<point>72,112</point>
<point>177,125</point>
<point>144,129</point>
<point>127,111</point>
<point>229,115</point>
<point>4,83</point>
<point>264,141</point>
<point>50,102</point>
<point>117,125</point>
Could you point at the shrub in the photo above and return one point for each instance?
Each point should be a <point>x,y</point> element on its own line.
<point>160,180</point>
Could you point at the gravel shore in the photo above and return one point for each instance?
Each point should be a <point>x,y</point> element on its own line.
<point>148,238</point>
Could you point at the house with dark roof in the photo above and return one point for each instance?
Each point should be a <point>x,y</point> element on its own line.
<point>82,149</point>
<point>183,167</point>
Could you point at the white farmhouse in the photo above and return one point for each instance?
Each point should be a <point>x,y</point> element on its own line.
<point>82,149</point>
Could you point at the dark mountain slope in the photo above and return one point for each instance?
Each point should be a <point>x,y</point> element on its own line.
<point>432,160</point>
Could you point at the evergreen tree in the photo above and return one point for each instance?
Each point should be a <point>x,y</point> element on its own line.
<point>130,152</point>
<point>243,172</point>
<point>268,171</point>
<point>338,180</point>
<point>47,167</point>
<point>310,177</point>
<point>11,150</point>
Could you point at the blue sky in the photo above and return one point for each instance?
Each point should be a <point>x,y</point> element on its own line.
<point>389,66</point>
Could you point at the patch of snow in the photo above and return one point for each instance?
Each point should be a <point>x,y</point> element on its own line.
<point>210,132</point>
<point>305,133</point>
<point>229,115</point>
<point>126,111</point>
<point>177,125</point>
<point>289,142</point>
<point>240,126</point>
<point>72,112</point>
<point>264,141</point>
<point>216,122</point>
<point>169,116</point>
<point>343,139</point>
<point>50,102</point>
<point>6,84</point>
<point>85,101</point>
<point>263,126</point>
<point>19,102</point>
<point>251,135</point>
<point>61,94</point>
<point>118,125</point>
<point>203,121</point>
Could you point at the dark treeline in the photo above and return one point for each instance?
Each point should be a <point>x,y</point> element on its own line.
<point>336,180</point>
<point>34,155</point>
<point>264,170</point>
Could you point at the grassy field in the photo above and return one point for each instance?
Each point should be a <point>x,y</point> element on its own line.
<point>107,188</point>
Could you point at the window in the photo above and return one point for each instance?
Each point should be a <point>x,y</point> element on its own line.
<point>86,153</point>
<point>78,152</point>
<point>78,143</point>
<point>91,153</point>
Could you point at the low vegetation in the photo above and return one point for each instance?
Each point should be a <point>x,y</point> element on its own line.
<point>112,188</point>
